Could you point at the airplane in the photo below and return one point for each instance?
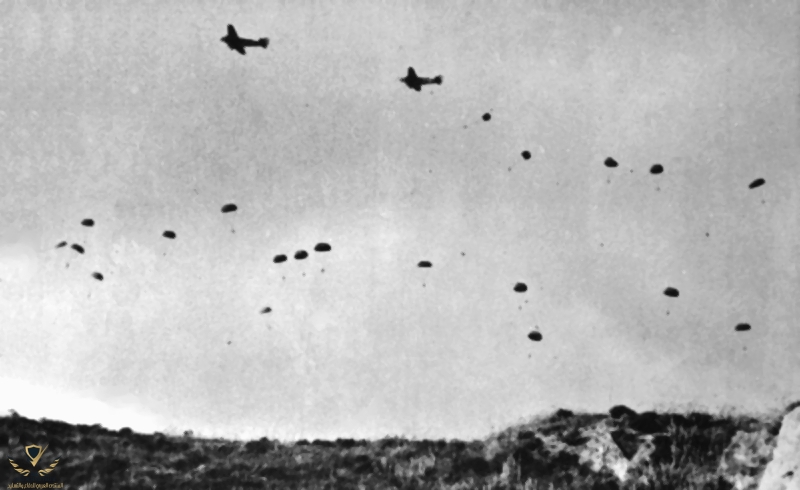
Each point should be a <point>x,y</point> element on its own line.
<point>239,43</point>
<point>416,83</point>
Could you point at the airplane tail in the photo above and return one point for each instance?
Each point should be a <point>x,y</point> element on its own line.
<point>438,80</point>
<point>263,42</point>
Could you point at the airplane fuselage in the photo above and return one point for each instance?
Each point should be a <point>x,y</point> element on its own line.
<point>238,44</point>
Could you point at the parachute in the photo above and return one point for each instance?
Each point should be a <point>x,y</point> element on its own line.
<point>88,222</point>
<point>656,169</point>
<point>526,155</point>
<point>611,163</point>
<point>300,255</point>
<point>520,287</point>
<point>322,247</point>
<point>61,244</point>
<point>229,208</point>
<point>266,310</point>
<point>757,183</point>
<point>169,234</point>
<point>97,276</point>
<point>535,336</point>
<point>425,263</point>
<point>77,248</point>
<point>671,292</point>
<point>279,258</point>
<point>742,327</point>
<point>487,117</point>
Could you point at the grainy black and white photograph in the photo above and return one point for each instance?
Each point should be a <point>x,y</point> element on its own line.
<point>521,244</point>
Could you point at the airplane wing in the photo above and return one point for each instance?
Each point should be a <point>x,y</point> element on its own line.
<point>239,48</point>
<point>411,72</point>
<point>232,31</point>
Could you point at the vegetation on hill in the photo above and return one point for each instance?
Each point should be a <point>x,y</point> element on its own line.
<point>548,452</point>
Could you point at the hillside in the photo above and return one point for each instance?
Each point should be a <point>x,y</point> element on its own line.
<point>563,450</point>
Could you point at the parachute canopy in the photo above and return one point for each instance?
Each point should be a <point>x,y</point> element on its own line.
<point>671,292</point>
<point>487,117</point>
<point>279,258</point>
<point>266,310</point>
<point>169,234</point>
<point>526,155</point>
<point>743,327</point>
<point>229,208</point>
<point>535,336</point>
<point>77,248</point>
<point>520,287</point>
<point>97,276</point>
<point>300,255</point>
<point>611,163</point>
<point>322,247</point>
<point>88,222</point>
<point>757,183</point>
<point>656,169</point>
<point>61,244</point>
<point>424,263</point>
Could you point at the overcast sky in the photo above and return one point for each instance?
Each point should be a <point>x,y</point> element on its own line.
<point>135,114</point>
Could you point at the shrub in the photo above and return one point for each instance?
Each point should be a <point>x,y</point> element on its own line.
<point>472,464</point>
<point>360,464</point>
<point>647,423</point>
<point>563,413</point>
<point>619,411</point>
<point>260,446</point>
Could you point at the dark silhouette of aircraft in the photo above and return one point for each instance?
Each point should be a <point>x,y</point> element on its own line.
<point>416,83</point>
<point>239,43</point>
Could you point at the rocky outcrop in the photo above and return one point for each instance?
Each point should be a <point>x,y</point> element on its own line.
<point>627,441</point>
<point>783,472</point>
<point>654,449</point>
<point>601,452</point>
<point>632,446</point>
<point>745,458</point>
<point>606,446</point>
<point>617,448</point>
